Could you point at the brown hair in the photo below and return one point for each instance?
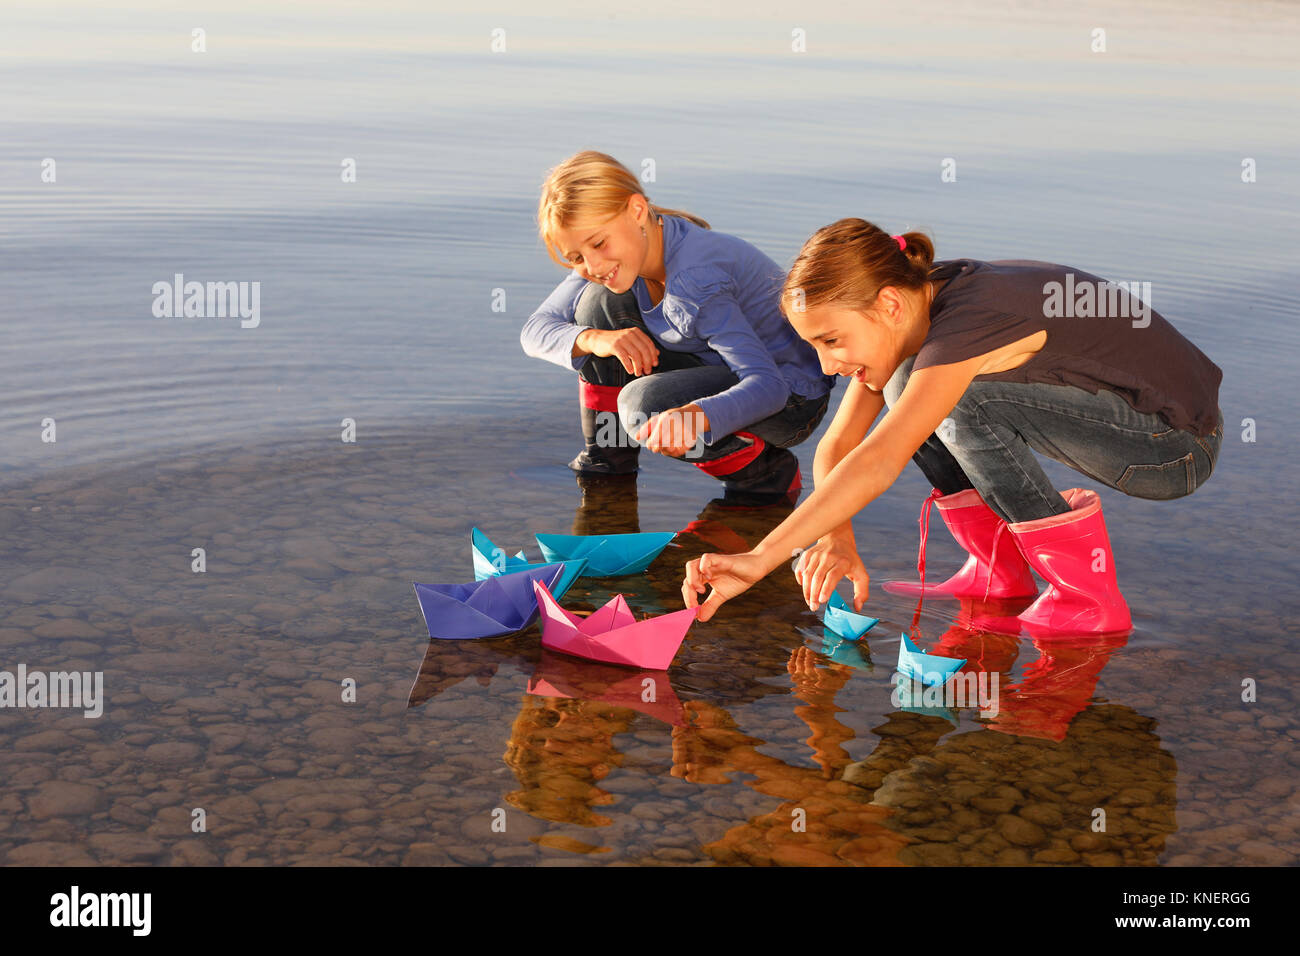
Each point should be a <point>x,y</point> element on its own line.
<point>590,185</point>
<point>848,262</point>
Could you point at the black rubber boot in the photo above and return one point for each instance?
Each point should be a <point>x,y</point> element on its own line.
<point>608,505</point>
<point>768,478</point>
<point>607,448</point>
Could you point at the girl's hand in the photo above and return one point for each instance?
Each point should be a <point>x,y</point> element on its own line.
<point>636,350</point>
<point>727,574</point>
<point>673,432</point>
<point>820,568</point>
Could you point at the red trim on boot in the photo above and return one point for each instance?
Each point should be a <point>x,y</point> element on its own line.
<point>599,398</point>
<point>730,464</point>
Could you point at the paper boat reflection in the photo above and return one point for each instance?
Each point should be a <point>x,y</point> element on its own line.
<point>929,669</point>
<point>645,690</point>
<point>911,699</point>
<point>607,555</point>
<point>844,621</point>
<point>492,607</point>
<point>491,561</point>
<point>612,634</point>
<point>829,644</point>
<point>852,653</point>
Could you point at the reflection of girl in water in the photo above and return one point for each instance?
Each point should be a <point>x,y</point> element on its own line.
<point>559,750</point>
<point>822,820</point>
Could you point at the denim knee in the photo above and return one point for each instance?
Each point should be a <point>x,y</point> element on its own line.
<point>599,308</point>
<point>636,406</point>
<point>590,310</point>
<point>633,408</point>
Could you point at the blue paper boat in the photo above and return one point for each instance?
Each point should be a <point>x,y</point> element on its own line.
<point>491,561</point>
<point>492,607</point>
<point>607,555</point>
<point>844,621</point>
<point>929,669</point>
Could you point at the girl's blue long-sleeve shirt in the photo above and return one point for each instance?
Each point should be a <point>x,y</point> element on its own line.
<point>720,303</point>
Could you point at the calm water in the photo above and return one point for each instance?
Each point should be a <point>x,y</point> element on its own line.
<point>223,688</point>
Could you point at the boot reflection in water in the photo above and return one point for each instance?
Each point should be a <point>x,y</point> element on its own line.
<point>991,653</point>
<point>1051,691</point>
<point>1056,687</point>
<point>608,505</point>
<point>727,528</point>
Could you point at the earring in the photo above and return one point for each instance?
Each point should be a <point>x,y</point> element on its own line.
<point>643,232</point>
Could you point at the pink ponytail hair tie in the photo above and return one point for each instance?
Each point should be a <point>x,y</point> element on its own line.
<point>902,243</point>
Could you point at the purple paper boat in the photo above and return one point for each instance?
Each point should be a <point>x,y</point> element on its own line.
<point>612,634</point>
<point>489,608</point>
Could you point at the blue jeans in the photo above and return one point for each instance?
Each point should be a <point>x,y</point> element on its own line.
<point>679,379</point>
<point>988,443</point>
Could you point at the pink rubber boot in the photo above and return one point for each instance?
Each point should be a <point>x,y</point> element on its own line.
<point>989,572</point>
<point>1071,552</point>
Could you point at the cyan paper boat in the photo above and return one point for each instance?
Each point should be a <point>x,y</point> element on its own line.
<point>612,634</point>
<point>929,669</point>
<point>844,621</point>
<point>489,608</point>
<point>490,561</point>
<point>607,555</point>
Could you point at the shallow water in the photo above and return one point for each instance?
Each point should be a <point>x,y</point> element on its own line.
<point>223,688</point>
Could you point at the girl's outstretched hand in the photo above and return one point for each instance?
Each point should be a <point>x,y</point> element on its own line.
<point>728,575</point>
<point>820,568</point>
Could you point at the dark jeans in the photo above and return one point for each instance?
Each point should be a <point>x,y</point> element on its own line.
<point>988,443</point>
<point>679,379</point>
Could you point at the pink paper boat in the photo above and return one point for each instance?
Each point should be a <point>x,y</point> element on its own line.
<point>612,634</point>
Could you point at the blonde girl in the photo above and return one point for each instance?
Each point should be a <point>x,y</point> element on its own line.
<point>676,334</point>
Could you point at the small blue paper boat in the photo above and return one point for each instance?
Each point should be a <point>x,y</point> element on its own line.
<point>492,607</point>
<point>607,555</point>
<point>844,621</point>
<point>929,669</point>
<point>491,561</point>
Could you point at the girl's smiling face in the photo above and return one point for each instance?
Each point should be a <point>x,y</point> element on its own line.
<point>859,345</point>
<point>869,344</point>
<point>611,252</point>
